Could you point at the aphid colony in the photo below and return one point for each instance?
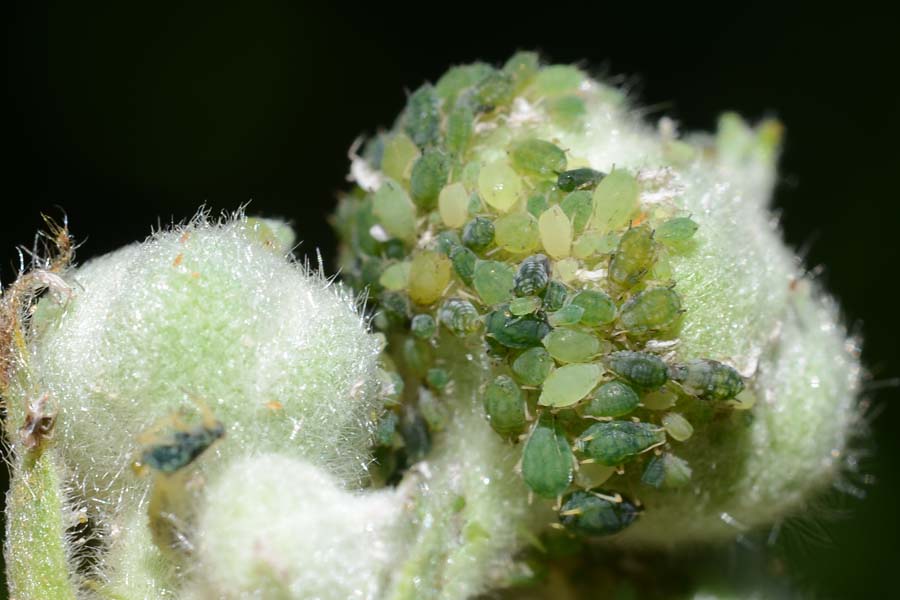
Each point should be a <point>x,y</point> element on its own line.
<point>556,267</point>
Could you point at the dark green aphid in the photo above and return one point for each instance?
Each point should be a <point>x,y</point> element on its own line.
<point>555,296</point>
<point>537,157</point>
<point>597,514</point>
<point>463,261</point>
<point>459,316</point>
<point>654,473</point>
<point>416,356</point>
<point>387,427</point>
<point>532,366</point>
<point>709,379</point>
<point>579,179</point>
<point>639,368</point>
<point>537,204</point>
<point>394,308</point>
<point>422,119</point>
<point>446,241</point>
<point>504,405</point>
<point>611,443</point>
<point>612,399</point>
<point>495,89</point>
<point>416,438</point>
<point>677,231</point>
<point>634,257</point>
<point>183,448</point>
<point>569,314</point>
<point>423,326</point>
<point>516,332</point>
<point>478,234</point>
<point>667,471</point>
<point>429,175</point>
<point>599,309</point>
<point>547,460</point>
<point>578,206</point>
<point>437,378</point>
<point>533,276</point>
<point>459,130</point>
<point>651,309</point>
<point>394,249</point>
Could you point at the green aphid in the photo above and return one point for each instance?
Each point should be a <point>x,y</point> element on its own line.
<point>416,356</point>
<point>666,471</point>
<point>432,409</point>
<point>612,399</point>
<point>532,276</point>
<point>536,205</point>
<point>446,241</point>
<point>675,232</point>
<point>537,157</point>
<point>579,179</point>
<point>612,443</point>
<point>476,206</point>
<point>533,366</point>
<point>650,310</point>
<point>422,119</point>
<point>493,90</point>
<point>493,280</point>
<point>429,175</point>
<point>646,371</point>
<point>423,326</point>
<point>709,379</point>
<point>569,314</point>
<point>459,316</point>
<point>394,308</point>
<point>578,206</point>
<point>183,447</point>
<point>522,67</point>
<point>456,79</point>
<point>437,378</point>
<point>459,129</point>
<point>386,429</point>
<point>547,461</point>
<point>504,405</point>
<point>555,296</point>
<point>634,257</point>
<point>516,332</point>
<point>370,272</point>
<point>568,384</point>
<point>558,79</point>
<point>463,261</point>
<point>567,111</point>
<point>597,514</point>
<point>393,249</point>
<point>599,309</point>
<point>524,305</point>
<point>571,345</point>
<point>517,233</point>
<point>395,211</point>
<point>478,234</point>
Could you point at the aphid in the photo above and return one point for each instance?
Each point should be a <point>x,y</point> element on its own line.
<point>399,154</point>
<point>536,204</point>
<point>429,274</point>
<point>532,366</point>
<point>499,185</point>
<point>459,129</point>
<point>567,111</point>
<point>395,277</point>
<point>504,405</point>
<point>516,332</point>
<point>437,378</point>
<point>39,421</point>
<point>478,234</point>
<point>422,118</point>
<point>416,436</point>
<point>463,261</point>
<point>558,79</point>
<point>677,231</point>
<point>423,326</point>
<point>416,356</point>
<point>517,233</point>
<point>522,67</point>
<point>611,443</point>
<point>394,308</point>
<point>386,429</point>
<point>533,276</point>
<point>571,345</point>
<point>615,201</point>
<point>667,471</point>
<point>677,427</point>
<point>579,179</point>
<point>556,232</point>
<point>394,210</point>
<point>432,409</point>
<point>537,157</point>
<point>429,175</point>
<point>493,90</point>
<point>493,280</point>
<point>597,513</point>
<point>644,370</point>
<point>569,314</point>
<point>446,241</point>
<point>568,384</point>
<point>524,306</point>
<point>599,309</point>
<point>547,460</point>
<point>459,316</point>
<point>578,206</point>
<point>555,296</point>
<point>612,399</point>
<point>649,310</point>
<point>708,379</point>
<point>183,446</point>
<point>633,258</point>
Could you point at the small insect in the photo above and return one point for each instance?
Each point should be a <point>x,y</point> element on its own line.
<point>599,309</point>
<point>677,427</point>
<point>539,157</point>
<point>598,513</point>
<point>650,310</point>
<point>417,356</point>
<point>459,129</point>
<point>578,206</point>
<point>569,314</point>
<point>533,366</point>
<point>612,443</point>
<point>571,345</point>
<point>446,241</point>
<point>547,460</point>
<point>524,306</point>
<point>40,419</point>
<point>459,316</point>
<point>612,399</point>
<point>183,446</point>
<point>516,332</point>
<point>429,175</point>
<point>478,234</point>
<point>677,231</point>
<point>666,471</point>
<point>423,326</point>
<point>579,179</point>
<point>633,258</point>
<point>517,233</point>
<point>532,276</point>
<point>555,296</point>
<point>504,406</point>
<point>422,117</point>
<point>463,261</point>
<point>493,280</point>
<point>644,370</point>
<point>708,379</point>
<point>568,384</point>
<point>437,378</point>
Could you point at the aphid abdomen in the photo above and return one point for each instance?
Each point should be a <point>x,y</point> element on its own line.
<point>639,368</point>
<point>596,514</point>
<point>633,258</point>
<point>709,379</point>
<point>614,442</point>
<point>651,310</point>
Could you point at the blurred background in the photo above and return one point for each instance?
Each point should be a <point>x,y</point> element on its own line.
<point>127,117</point>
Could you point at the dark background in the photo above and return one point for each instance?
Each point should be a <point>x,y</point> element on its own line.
<point>130,116</point>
